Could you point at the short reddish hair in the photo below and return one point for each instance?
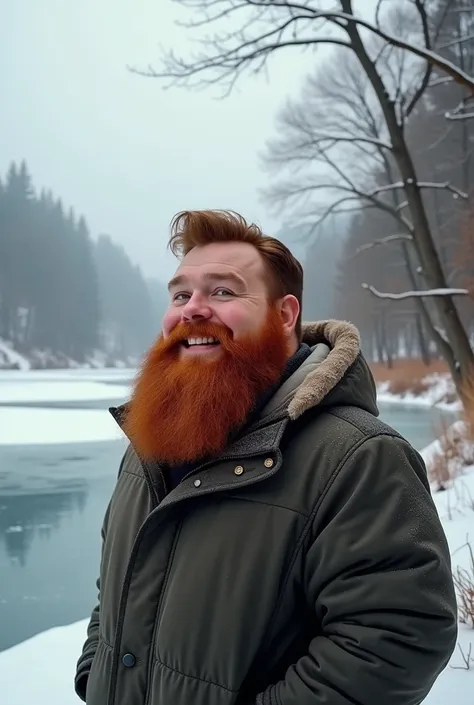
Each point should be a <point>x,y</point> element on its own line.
<point>191,229</point>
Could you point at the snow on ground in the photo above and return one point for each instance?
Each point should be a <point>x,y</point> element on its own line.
<point>8,356</point>
<point>25,426</point>
<point>52,391</point>
<point>456,510</point>
<point>35,358</point>
<point>41,669</point>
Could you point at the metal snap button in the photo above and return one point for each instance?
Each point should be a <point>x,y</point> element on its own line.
<point>239,470</point>
<point>197,483</point>
<point>129,660</point>
<point>269,462</point>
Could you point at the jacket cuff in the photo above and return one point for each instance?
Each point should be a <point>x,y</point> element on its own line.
<point>80,681</point>
<point>268,697</point>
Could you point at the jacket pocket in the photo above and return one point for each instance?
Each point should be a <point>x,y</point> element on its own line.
<point>98,682</point>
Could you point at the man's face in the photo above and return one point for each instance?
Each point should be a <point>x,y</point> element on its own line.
<point>222,284</point>
<point>222,346</point>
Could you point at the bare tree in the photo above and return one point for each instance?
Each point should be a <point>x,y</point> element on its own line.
<point>333,144</point>
<point>259,28</point>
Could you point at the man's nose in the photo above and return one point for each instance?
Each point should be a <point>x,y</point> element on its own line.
<point>196,309</point>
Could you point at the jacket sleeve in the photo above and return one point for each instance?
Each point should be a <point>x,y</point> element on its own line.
<point>378,575</point>
<point>85,661</point>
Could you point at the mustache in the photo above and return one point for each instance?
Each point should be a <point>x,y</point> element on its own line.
<point>201,329</point>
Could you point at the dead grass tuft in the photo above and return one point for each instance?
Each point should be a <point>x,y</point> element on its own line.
<point>464,583</point>
<point>455,452</point>
<point>468,407</point>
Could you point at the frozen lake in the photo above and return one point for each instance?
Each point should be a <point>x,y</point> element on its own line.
<point>59,456</point>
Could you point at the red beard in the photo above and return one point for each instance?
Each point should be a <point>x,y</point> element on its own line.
<point>183,410</point>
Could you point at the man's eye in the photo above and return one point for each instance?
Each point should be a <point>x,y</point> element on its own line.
<point>180,297</point>
<point>222,292</point>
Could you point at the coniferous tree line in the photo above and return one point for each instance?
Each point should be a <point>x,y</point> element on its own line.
<point>63,296</point>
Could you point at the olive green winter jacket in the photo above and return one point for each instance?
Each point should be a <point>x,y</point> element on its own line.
<point>306,566</point>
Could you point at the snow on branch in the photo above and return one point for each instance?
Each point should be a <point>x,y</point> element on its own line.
<point>440,81</point>
<point>382,241</point>
<point>432,57</point>
<point>457,193</point>
<point>415,294</point>
<point>459,113</point>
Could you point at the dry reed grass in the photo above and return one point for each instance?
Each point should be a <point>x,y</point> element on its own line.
<point>464,583</point>
<point>455,443</point>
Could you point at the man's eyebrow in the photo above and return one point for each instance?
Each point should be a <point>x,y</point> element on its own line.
<point>180,279</point>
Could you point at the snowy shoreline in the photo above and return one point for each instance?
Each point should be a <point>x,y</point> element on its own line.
<point>439,387</point>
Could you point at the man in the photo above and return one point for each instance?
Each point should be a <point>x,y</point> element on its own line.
<point>269,541</point>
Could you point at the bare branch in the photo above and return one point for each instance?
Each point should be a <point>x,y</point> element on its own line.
<point>382,241</point>
<point>420,6</point>
<point>415,294</point>
<point>378,11</point>
<point>261,46</point>
<point>459,40</point>
<point>208,19</point>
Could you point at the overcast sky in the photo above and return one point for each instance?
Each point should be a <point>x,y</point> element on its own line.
<point>119,148</point>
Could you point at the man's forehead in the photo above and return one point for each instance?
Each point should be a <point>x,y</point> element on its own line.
<point>226,254</point>
<point>243,263</point>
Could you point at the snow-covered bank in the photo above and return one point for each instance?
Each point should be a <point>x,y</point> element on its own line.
<point>54,391</point>
<point>12,360</point>
<point>439,389</point>
<point>20,426</point>
<point>9,358</point>
<point>41,670</point>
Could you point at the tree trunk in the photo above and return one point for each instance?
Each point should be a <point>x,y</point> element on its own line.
<point>378,341</point>
<point>424,350</point>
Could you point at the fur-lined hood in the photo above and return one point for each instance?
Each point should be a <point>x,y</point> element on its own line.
<point>335,373</point>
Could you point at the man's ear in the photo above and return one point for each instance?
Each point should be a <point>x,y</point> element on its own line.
<point>290,310</point>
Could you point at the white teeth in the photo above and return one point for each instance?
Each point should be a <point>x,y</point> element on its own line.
<point>201,341</point>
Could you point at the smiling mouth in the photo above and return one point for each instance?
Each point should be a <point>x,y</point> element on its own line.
<point>200,342</point>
